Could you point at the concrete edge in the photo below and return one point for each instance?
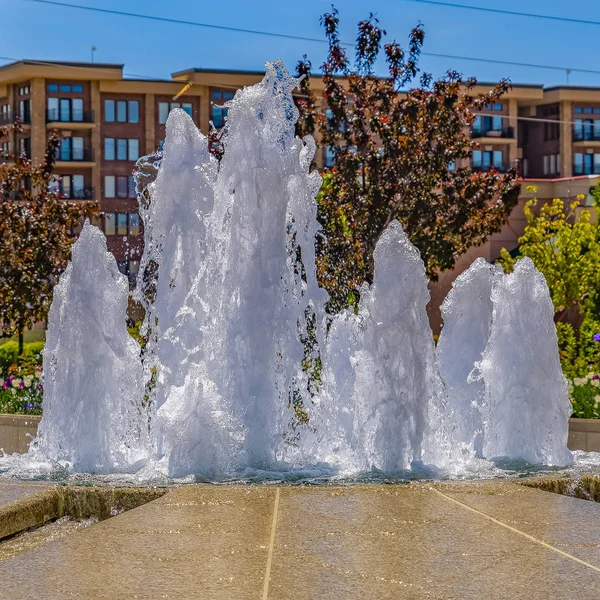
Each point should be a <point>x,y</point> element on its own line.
<point>78,502</point>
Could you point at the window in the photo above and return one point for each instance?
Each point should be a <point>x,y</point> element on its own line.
<point>122,111</point>
<point>64,88</point>
<point>24,91</point>
<point>121,149</point>
<point>132,187</point>
<point>134,111</point>
<point>525,167</point>
<point>586,164</point>
<point>122,187</point>
<point>109,149</point>
<point>329,157</point>
<point>121,223</point>
<point>109,186</point>
<point>485,160</point>
<point>134,224</point>
<point>551,164</point>
<point>451,166</point>
<point>77,107</point>
<point>64,150</point>
<point>218,113</point>
<point>53,87</point>
<point>109,111</point>
<point>64,109</point>
<point>24,147</point>
<point>133,149</point>
<point>78,186</point>
<point>163,112</point>
<point>78,89</point>
<point>499,107</point>
<point>77,148</point>
<point>110,224</point>
<point>24,111</point>
<point>164,108</point>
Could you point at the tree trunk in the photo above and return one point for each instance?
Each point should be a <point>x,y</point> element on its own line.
<point>20,342</point>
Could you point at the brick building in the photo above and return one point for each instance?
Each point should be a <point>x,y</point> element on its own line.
<point>108,121</point>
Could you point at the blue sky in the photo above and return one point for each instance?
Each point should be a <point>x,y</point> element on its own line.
<point>32,30</point>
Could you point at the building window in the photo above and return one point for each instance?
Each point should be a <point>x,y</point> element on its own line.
<point>486,160</point>
<point>109,149</point>
<point>71,148</point>
<point>121,149</point>
<point>586,130</point>
<point>121,223</point>
<point>586,164</point>
<point>329,157</point>
<point>53,87</point>
<point>66,110</point>
<point>24,147</point>
<point>134,111</point>
<point>164,108</point>
<point>163,112</point>
<point>134,224</point>
<point>552,164</point>
<point>551,131</point>
<point>109,111</point>
<point>484,124</point>
<point>122,111</point>
<point>132,187</point>
<point>24,111</point>
<point>24,91</point>
<point>70,186</point>
<point>64,88</point>
<point>133,149</point>
<point>451,166</point>
<point>525,167</point>
<point>110,224</point>
<point>218,113</point>
<point>109,186</point>
<point>78,89</point>
<point>122,187</point>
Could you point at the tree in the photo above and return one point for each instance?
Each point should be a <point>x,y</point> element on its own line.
<point>36,233</point>
<point>565,247</point>
<point>394,158</point>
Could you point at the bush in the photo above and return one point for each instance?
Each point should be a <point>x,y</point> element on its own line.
<point>21,394</point>
<point>585,396</point>
<point>31,357</point>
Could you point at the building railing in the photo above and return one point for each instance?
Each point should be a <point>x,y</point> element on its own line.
<point>503,168</point>
<point>54,115</point>
<point>504,133</point>
<point>75,155</point>
<point>586,136</point>
<point>86,193</point>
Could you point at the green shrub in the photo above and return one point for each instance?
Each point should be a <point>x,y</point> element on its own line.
<point>31,357</point>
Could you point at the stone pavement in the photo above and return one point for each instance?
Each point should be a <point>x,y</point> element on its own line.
<point>478,540</point>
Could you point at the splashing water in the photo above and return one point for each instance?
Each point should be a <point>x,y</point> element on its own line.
<point>238,341</point>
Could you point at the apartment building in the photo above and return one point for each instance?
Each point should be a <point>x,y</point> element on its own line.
<point>107,121</point>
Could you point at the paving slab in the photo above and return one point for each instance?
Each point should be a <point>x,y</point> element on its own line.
<point>459,541</point>
<point>13,491</point>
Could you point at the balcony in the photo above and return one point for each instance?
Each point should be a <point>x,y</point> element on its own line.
<point>500,168</point>
<point>86,193</point>
<point>73,119</point>
<point>506,133</point>
<point>586,135</point>
<point>74,155</point>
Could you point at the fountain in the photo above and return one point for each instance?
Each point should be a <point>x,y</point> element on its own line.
<point>235,315</point>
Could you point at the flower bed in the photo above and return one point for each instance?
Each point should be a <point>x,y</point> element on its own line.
<point>22,394</point>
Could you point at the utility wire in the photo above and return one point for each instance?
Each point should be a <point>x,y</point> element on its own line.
<point>57,64</point>
<point>483,114</point>
<point>512,13</point>
<point>318,40</point>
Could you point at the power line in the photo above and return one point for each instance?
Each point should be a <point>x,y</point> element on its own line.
<point>512,13</point>
<point>57,64</point>
<point>320,40</point>
<point>182,21</point>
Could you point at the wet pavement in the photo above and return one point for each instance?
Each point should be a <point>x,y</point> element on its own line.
<point>463,541</point>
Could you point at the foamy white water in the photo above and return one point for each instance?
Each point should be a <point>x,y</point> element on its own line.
<point>236,317</point>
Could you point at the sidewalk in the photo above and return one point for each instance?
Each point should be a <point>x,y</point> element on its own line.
<point>465,540</point>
